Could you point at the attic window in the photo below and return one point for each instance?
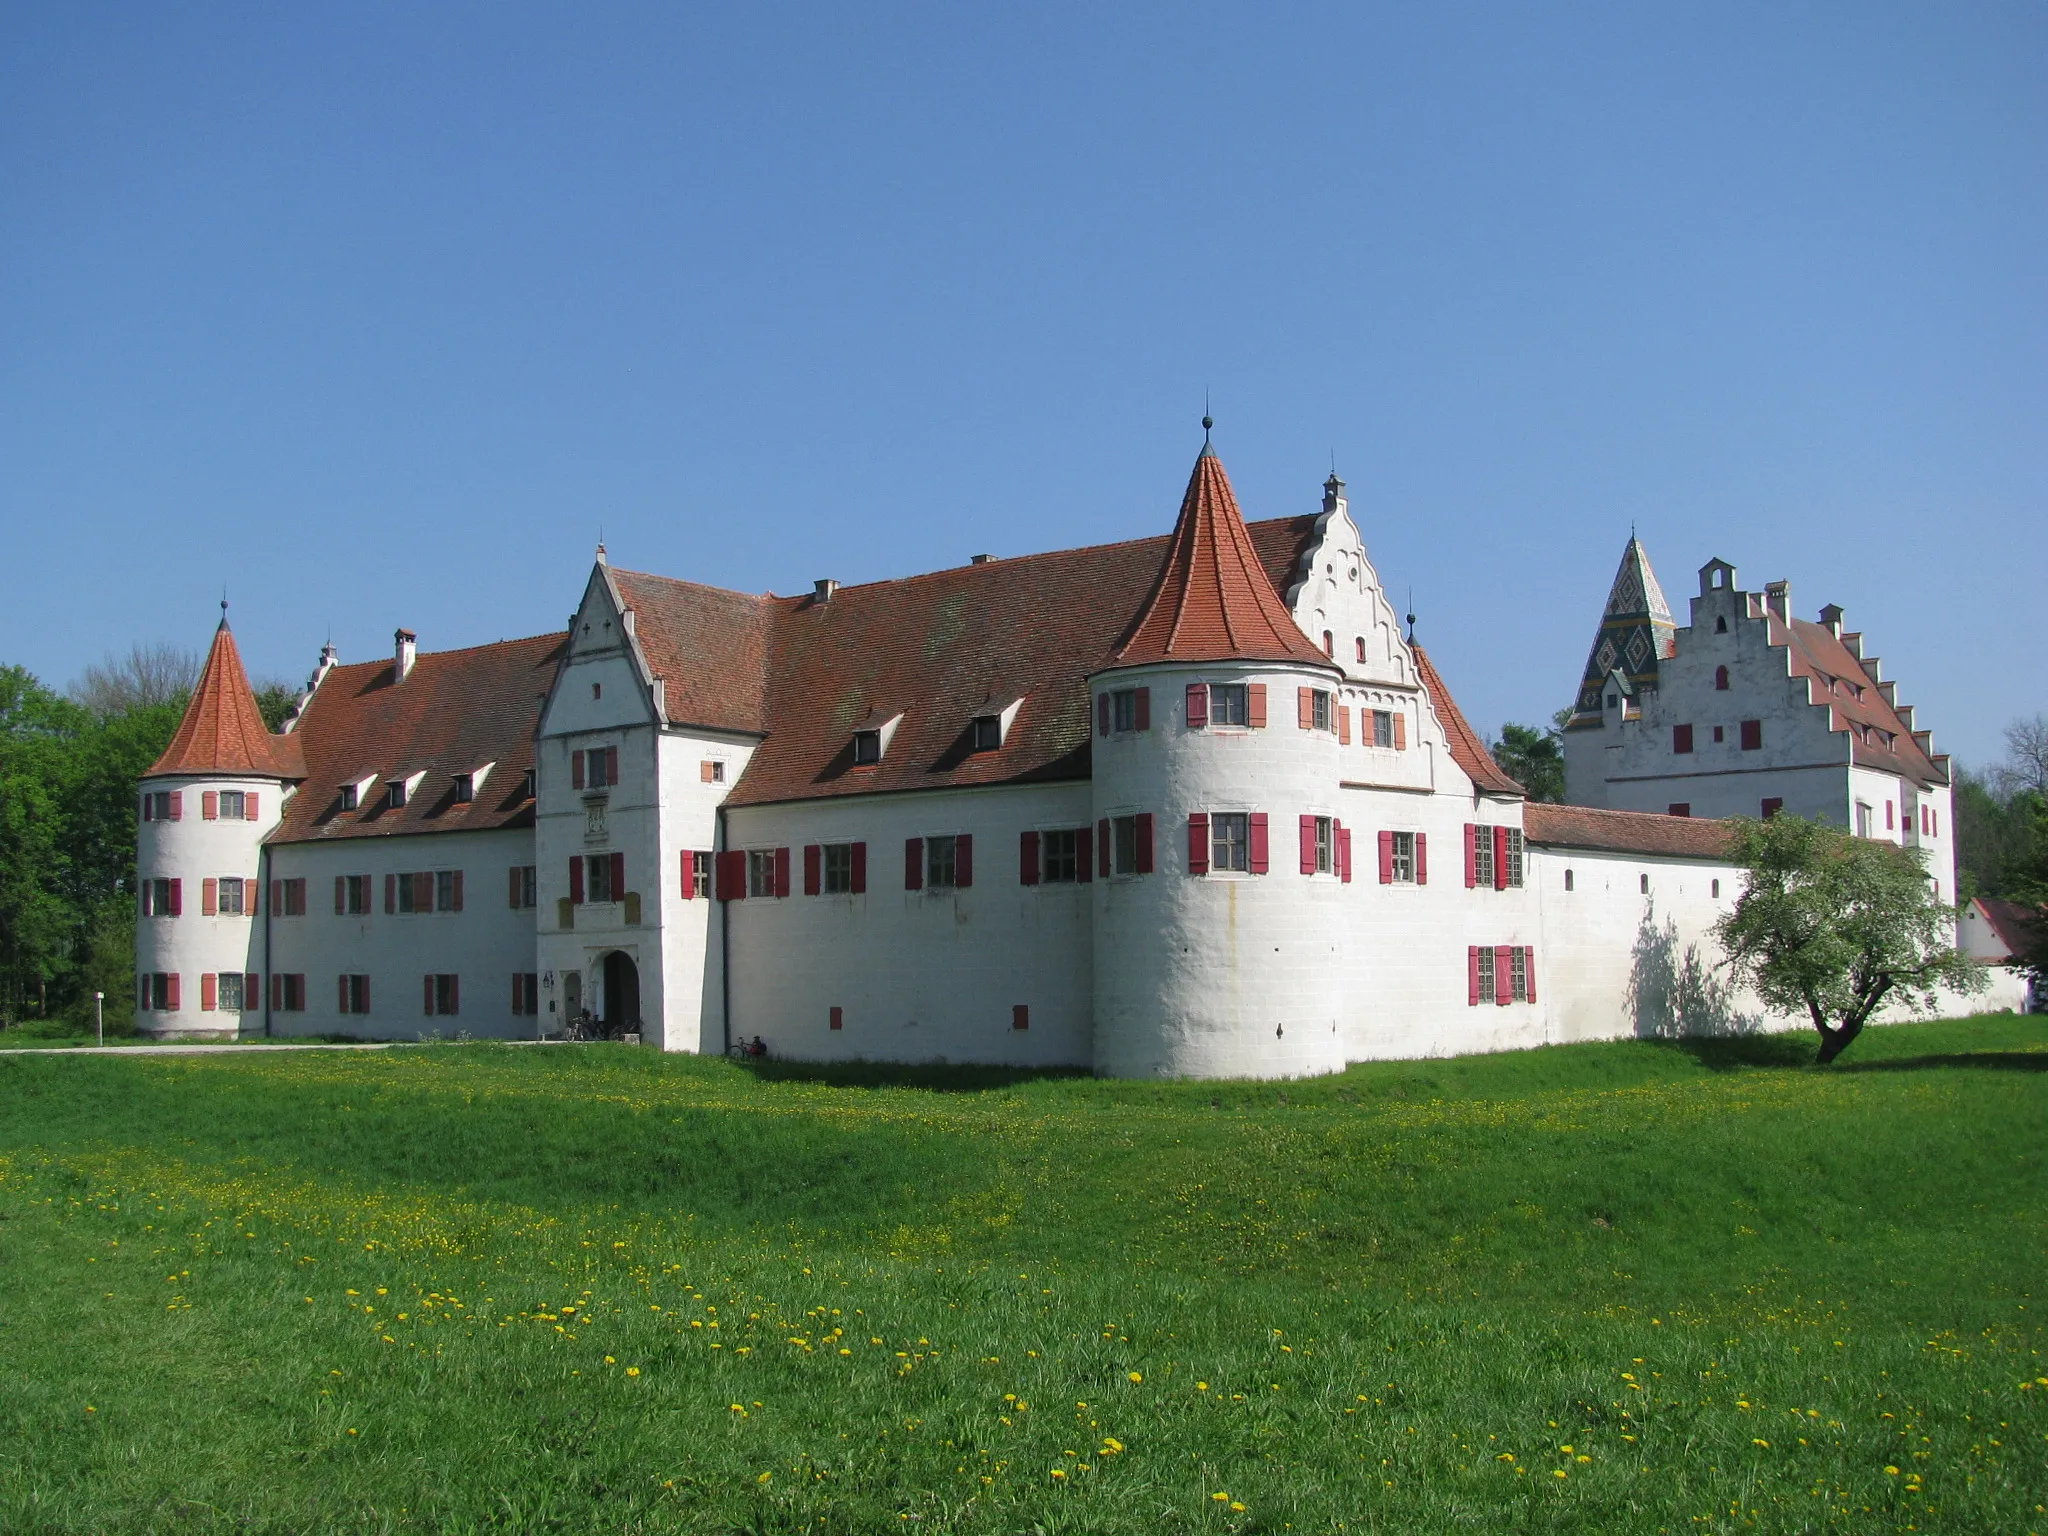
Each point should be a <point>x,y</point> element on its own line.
<point>394,794</point>
<point>465,788</point>
<point>867,747</point>
<point>987,733</point>
<point>529,786</point>
<point>348,797</point>
<point>1720,622</point>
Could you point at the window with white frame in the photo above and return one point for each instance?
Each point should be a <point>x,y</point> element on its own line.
<point>1062,857</point>
<point>234,805</point>
<point>1230,841</point>
<point>597,878</point>
<point>1482,855</point>
<point>760,872</point>
<point>1382,728</point>
<point>700,874</point>
<point>350,796</point>
<point>1229,704</point>
<point>228,992</point>
<point>1326,846</point>
<point>1321,709</point>
<point>353,896</point>
<point>157,900</point>
<point>229,903</point>
<point>1404,858</point>
<point>1487,975</point>
<point>1515,855</point>
<point>867,747</point>
<point>942,862</point>
<point>1518,974</point>
<point>838,871</point>
<point>1124,709</point>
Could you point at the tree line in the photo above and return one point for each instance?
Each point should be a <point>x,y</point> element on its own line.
<point>69,762</point>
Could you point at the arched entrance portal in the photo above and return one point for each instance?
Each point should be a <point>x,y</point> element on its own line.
<point>621,994</point>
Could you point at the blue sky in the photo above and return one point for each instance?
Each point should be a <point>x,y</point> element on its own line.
<point>379,314</point>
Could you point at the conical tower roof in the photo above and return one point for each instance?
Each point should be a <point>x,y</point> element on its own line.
<point>1636,632</point>
<point>1212,600</point>
<point>223,731</point>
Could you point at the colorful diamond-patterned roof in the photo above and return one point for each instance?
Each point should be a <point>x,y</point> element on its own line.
<point>1636,632</point>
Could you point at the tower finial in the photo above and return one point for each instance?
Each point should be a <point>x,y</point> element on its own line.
<point>1208,421</point>
<point>1411,615</point>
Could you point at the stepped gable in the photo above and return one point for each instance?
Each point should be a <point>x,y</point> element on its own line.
<point>453,713</point>
<point>1467,750</point>
<point>944,647</point>
<point>223,731</point>
<point>707,645</point>
<point>1636,633</point>
<point>1878,738</point>
<point>1646,832</point>
<point>1212,599</point>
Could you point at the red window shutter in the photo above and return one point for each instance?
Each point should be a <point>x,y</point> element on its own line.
<point>518,993</point>
<point>837,1018</point>
<point>1102,714</point>
<point>576,880</point>
<point>860,869</point>
<point>1305,708</point>
<point>1144,842</point>
<point>1471,855</point>
<point>1503,975</point>
<point>619,875</point>
<point>1308,845</point>
<point>1887,815</point>
<point>1400,731</point>
<point>1472,976</point>
<point>1102,848</point>
<point>249,806</point>
<point>177,805</point>
<point>1529,967</point>
<point>430,994</point>
<point>1344,854</point>
<point>366,996</point>
<point>423,891</point>
<point>689,875</point>
<point>1343,725</point>
<point>1681,738</point>
<point>512,891</point>
<point>913,864</point>
<point>814,869</point>
<point>390,894</point>
<point>252,896</point>
<point>455,994</point>
<point>209,805</point>
<point>1500,858</point>
<point>732,875</point>
<point>1421,855</point>
<point>1752,735</point>
<point>172,989</point>
<point>1020,1016</point>
<point>276,897</point>
<point>252,990</point>
<point>1198,843</point>
<point>340,895</point>
<point>1258,820</point>
<point>963,860</point>
<point>1255,706</point>
<point>1084,855</point>
<point>209,992</point>
<point>209,898</point>
<point>457,892</point>
<point>1144,709</point>
<point>576,770</point>
<point>1027,858</point>
<point>781,870</point>
<point>1198,706</point>
<point>341,994</point>
<point>1386,858</point>
<point>611,765</point>
<point>177,898</point>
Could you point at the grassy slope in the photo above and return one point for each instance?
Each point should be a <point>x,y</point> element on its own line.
<point>1740,1290</point>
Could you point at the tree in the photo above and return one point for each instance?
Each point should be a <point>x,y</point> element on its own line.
<point>1533,757</point>
<point>2025,769</point>
<point>1837,925</point>
<point>147,676</point>
<point>37,922</point>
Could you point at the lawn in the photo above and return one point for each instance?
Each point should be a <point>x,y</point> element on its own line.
<point>1618,1288</point>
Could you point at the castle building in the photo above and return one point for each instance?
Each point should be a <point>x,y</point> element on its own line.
<point>1183,806</point>
<point>1748,711</point>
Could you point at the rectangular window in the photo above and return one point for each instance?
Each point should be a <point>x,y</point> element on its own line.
<point>1515,855</point>
<point>394,794</point>
<point>448,890</point>
<point>1062,858</point>
<point>1124,709</point>
<point>941,862</point>
<point>1752,735</point>
<point>525,992</point>
<point>987,733</point>
<point>839,869</point>
<point>157,900</point>
<point>867,747</point>
<point>443,996</point>
<point>1325,846</point>
<point>349,796</point>
<point>355,994</point>
<point>760,873</point>
<point>1403,858</point>
<point>408,894</point>
<point>288,993</point>
<point>1681,808</point>
<point>1131,842</point>
<point>162,994</point>
<point>354,894</point>
<point>228,993</point>
<point>1319,710</point>
<point>1228,704</point>
<point>597,878</point>
<point>712,770</point>
<point>465,788</point>
<point>1772,805</point>
<point>1482,854</point>
<point>1230,841</point>
<point>1518,972</point>
<point>231,897</point>
<point>597,770</point>
<point>156,805</point>
<point>234,805</point>
<point>1486,988</point>
<point>525,887</point>
<point>1862,819</point>
<point>700,874</point>
<point>1681,738</point>
<point>292,894</point>
<point>1383,728</point>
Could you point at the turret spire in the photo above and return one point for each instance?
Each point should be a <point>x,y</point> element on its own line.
<point>223,731</point>
<point>1636,632</point>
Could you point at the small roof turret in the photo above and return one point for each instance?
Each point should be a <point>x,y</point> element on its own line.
<point>223,731</point>
<point>1636,633</point>
<point>1212,599</point>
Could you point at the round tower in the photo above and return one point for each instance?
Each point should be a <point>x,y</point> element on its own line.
<point>205,807</point>
<point>1217,918</point>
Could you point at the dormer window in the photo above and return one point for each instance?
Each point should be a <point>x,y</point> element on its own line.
<point>465,788</point>
<point>987,733</point>
<point>867,747</point>
<point>394,794</point>
<point>530,786</point>
<point>349,797</point>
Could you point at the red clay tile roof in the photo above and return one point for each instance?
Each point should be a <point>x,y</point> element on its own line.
<point>223,731</point>
<point>1816,652</point>
<point>2016,925</point>
<point>1212,600</point>
<point>1467,750</point>
<point>1578,826</point>
<point>709,646</point>
<point>455,711</point>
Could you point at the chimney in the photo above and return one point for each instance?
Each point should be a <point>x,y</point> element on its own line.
<point>1333,493</point>
<point>1778,599</point>
<point>1831,616</point>
<point>823,589</point>
<point>408,652</point>
<point>977,559</point>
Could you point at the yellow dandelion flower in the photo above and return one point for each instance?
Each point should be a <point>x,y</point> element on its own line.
<point>764,1477</point>
<point>1060,1473</point>
<point>1137,1376</point>
<point>632,1370</point>
<point>1891,1471</point>
<point>1236,1507</point>
<point>1220,1498</point>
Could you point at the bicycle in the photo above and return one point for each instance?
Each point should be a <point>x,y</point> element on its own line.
<point>748,1050</point>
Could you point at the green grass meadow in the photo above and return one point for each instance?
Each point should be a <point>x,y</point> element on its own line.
<point>1633,1287</point>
